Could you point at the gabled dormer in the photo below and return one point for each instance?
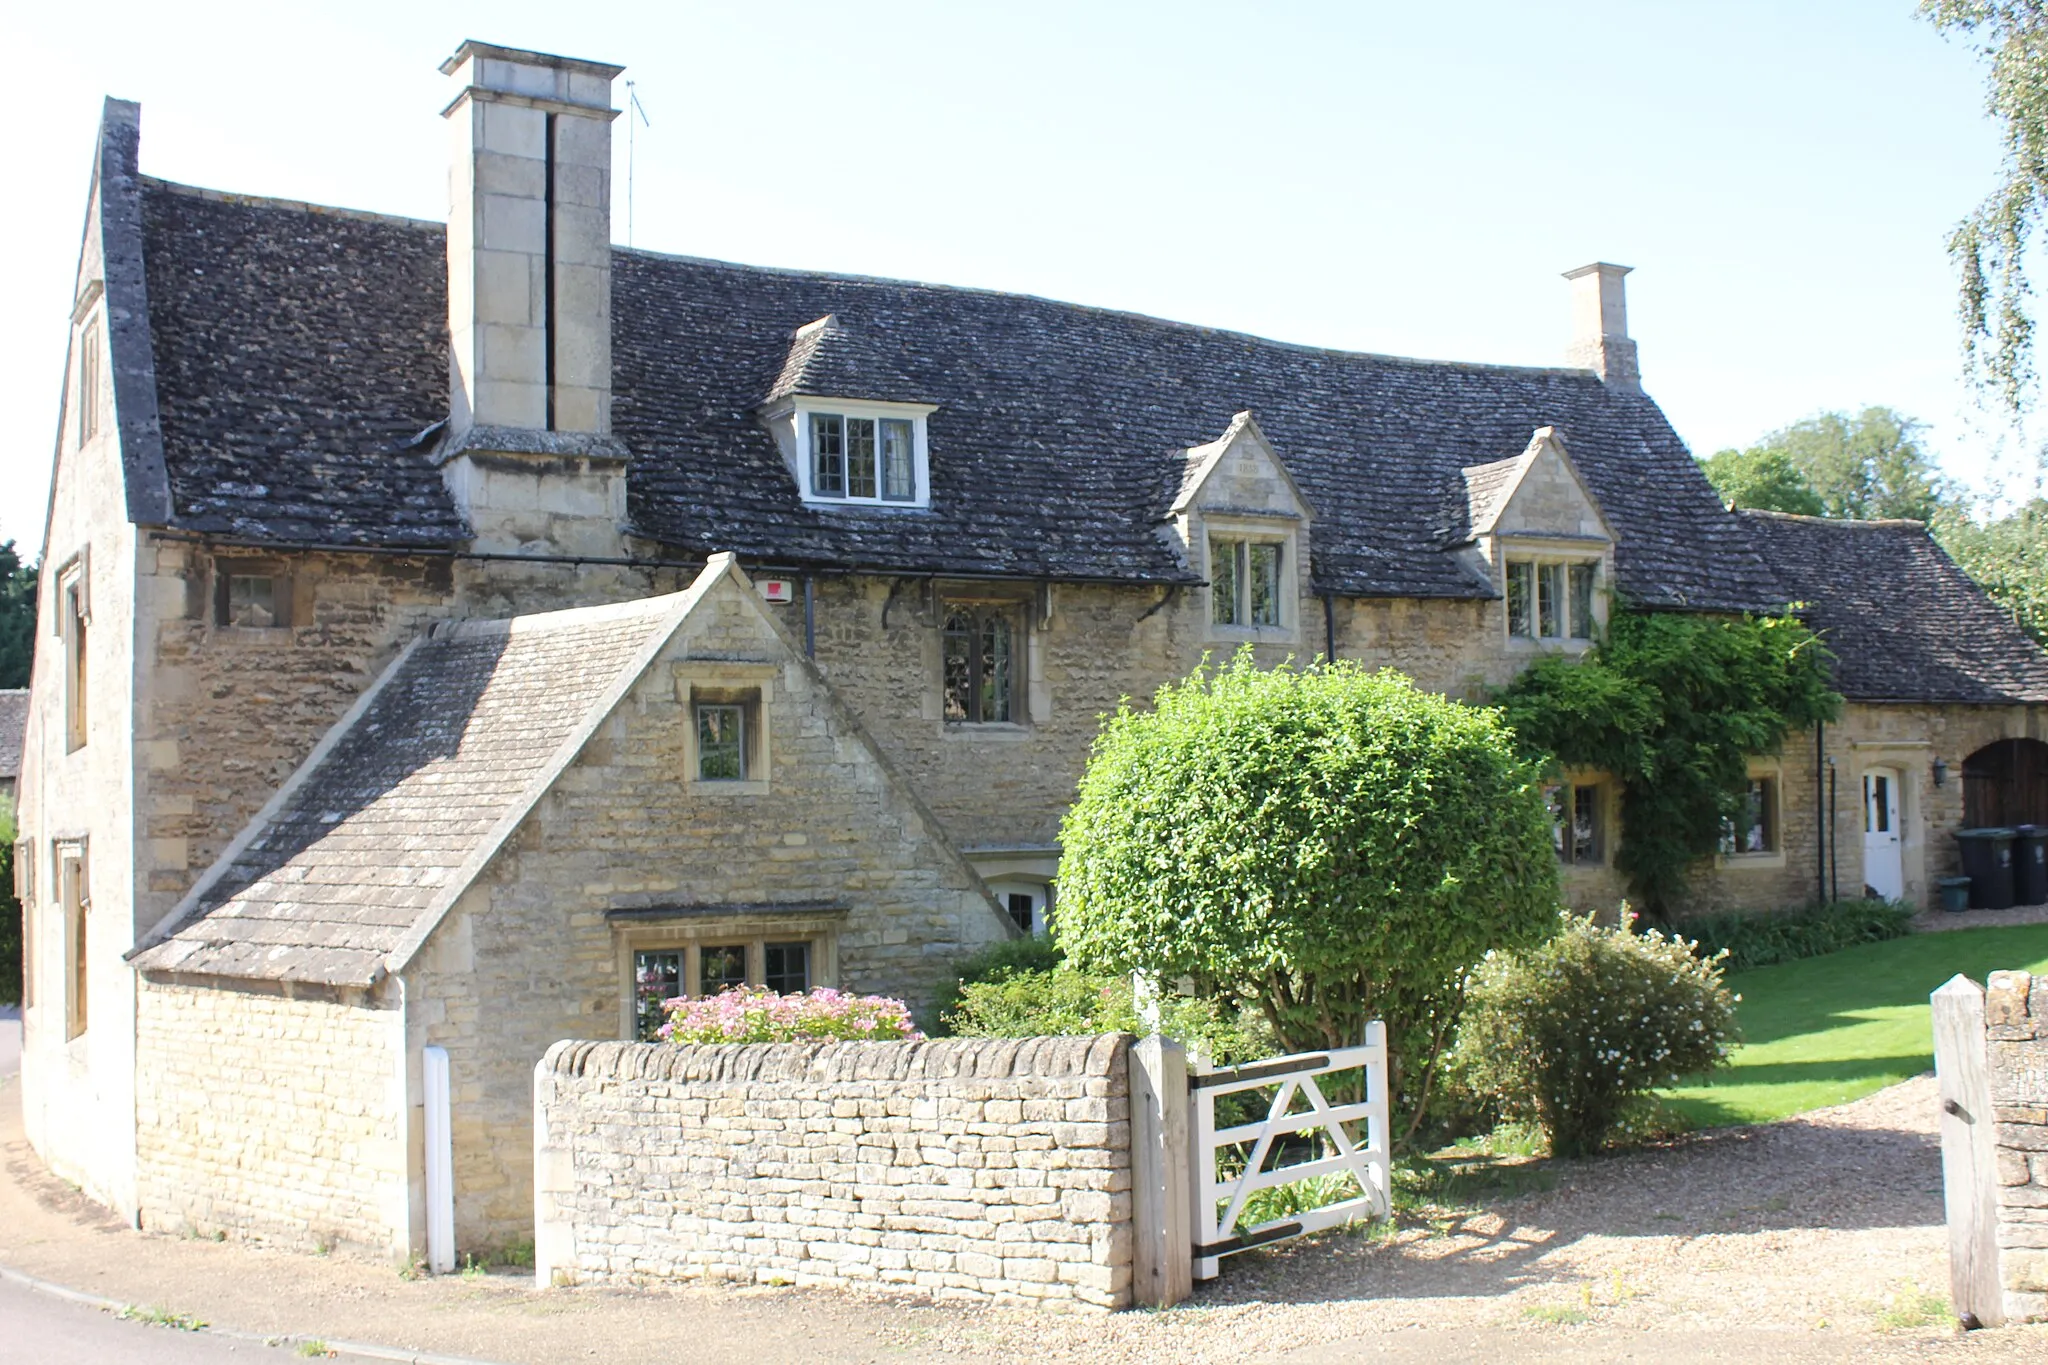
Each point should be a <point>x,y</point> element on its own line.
<point>1241,521</point>
<point>1548,547</point>
<point>847,421</point>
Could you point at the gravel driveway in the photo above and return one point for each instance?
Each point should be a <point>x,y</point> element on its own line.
<point>1814,1239</point>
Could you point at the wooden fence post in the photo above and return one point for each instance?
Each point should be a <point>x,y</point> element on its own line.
<point>1162,1266</point>
<point>1969,1157</point>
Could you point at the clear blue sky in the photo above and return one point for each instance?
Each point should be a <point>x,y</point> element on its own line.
<point>1408,179</point>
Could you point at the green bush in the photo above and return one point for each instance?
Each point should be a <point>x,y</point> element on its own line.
<point>1068,1002</point>
<point>1756,939</point>
<point>1029,953</point>
<point>1328,844</point>
<point>1576,1032</point>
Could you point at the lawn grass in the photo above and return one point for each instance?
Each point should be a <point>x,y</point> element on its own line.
<point>1830,1029</point>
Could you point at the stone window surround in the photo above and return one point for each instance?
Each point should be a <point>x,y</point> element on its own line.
<point>72,876</point>
<point>751,686</point>
<point>1606,806</point>
<point>792,427</point>
<point>1774,770</point>
<point>73,618</point>
<point>226,567</point>
<point>1030,608</point>
<point>1554,550</point>
<point>687,930</point>
<point>1277,528</point>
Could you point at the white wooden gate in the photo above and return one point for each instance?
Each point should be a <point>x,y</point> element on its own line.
<point>1220,1202</point>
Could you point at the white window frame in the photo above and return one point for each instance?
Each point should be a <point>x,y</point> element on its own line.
<point>805,409</point>
<point>74,630</point>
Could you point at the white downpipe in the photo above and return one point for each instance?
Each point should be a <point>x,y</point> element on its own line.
<point>440,1154</point>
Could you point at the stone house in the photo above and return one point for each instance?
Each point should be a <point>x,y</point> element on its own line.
<point>444,531</point>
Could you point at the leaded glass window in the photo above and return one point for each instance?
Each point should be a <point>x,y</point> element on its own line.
<point>721,968</point>
<point>860,457</point>
<point>980,650</point>
<point>1244,582</point>
<point>786,967</point>
<point>721,743</point>
<point>828,456</point>
<point>1582,601</point>
<point>657,979</point>
<point>1521,589</point>
<point>1550,600</point>
<point>899,460</point>
<point>1264,576</point>
<point>1576,823</point>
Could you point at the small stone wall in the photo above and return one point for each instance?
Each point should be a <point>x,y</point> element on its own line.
<point>2016,1044</point>
<point>990,1169</point>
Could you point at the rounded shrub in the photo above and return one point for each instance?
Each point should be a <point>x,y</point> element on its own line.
<point>1574,1033</point>
<point>1329,844</point>
<point>1064,1001</point>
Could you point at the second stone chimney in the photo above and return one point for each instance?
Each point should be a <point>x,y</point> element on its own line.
<point>528,453</point>
<point>1600,340</point>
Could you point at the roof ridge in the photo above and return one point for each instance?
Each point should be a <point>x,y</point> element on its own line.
<point>1830,521</point>
<point>487,627</point>
<point>1132,314</point>
<point>269,201</point>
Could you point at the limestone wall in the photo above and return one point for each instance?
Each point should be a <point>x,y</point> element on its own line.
<point>994,1169</point>
<point>628,852</point>
<point>271,1118</point>
<point>2016,1031</point>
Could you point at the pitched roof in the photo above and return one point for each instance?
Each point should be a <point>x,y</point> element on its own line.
<point>299,352</point>
<point>410,795</point>
<point>1904,622</point>
<point>829,359</point>
<point>13,728</point>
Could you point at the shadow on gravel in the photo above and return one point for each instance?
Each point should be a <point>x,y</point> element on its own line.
<point>1508,1219</point>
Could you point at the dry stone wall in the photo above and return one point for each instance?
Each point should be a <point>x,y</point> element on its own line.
<point>988,1169</point>
<point>2016,1034</point>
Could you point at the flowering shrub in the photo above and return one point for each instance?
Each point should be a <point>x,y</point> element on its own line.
<point>1575,1032</point>
<point>755,1014</point>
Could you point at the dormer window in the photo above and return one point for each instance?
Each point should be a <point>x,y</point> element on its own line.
<point>871,454</point>
<point>1551,599</point>
<point>863,459</point>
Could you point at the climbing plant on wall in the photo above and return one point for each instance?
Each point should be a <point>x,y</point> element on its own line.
<point>1673,706</point>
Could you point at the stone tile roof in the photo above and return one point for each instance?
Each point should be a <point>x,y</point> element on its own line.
<point>13,729</point>
<point>831,360</point>
<point>301,357</point>
<point>1487,486</point>
<point>1904,622</point>
<point>300,352</point>
<point>408,797</point>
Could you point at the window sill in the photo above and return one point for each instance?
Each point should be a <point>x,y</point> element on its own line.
<point>1758,862</point>
<point>726,787</point>
<point>1550,643</point>
<point>864,504</point>
<point>1568,869</point>
<point>1002,731</point>
<point>1255,635</point>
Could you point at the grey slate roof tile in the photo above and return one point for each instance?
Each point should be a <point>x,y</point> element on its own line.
<point>13,729</point>
<point>1904,622</point>
<point>340,873</point>
<point>300,353</point>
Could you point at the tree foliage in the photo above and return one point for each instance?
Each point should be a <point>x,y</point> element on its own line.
<point>1990,246</point>
<point>10,914</point>
<point>1869,465</point>
<point>1673,706</point>
<point>2009,560</point>
<point>17,617</point>
<point>1329,844</point>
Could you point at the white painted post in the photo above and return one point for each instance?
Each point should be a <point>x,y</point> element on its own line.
<point>554,1187</point>
<point>1376,1136</point>
<point>1162,1270</point>
<point>1969,1155</point>
<point>440,1160</point>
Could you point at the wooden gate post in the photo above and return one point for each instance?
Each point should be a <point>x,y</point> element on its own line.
<point>1969,1156</point>
<point>1162,1224</point>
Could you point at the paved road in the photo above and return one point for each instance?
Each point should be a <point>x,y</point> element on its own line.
<point>42,1330</point>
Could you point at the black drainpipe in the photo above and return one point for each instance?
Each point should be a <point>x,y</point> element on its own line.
<point>810,620</point>
<point>1330,627</point>
<point>1834,872</point>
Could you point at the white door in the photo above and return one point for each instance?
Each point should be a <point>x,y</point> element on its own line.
<point>1884,869</point>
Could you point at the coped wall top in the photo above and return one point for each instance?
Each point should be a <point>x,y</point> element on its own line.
<point>539,76</point>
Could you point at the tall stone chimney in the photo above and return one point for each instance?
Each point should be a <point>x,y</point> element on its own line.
<point>528,453</point>
<point>1600,340</point>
